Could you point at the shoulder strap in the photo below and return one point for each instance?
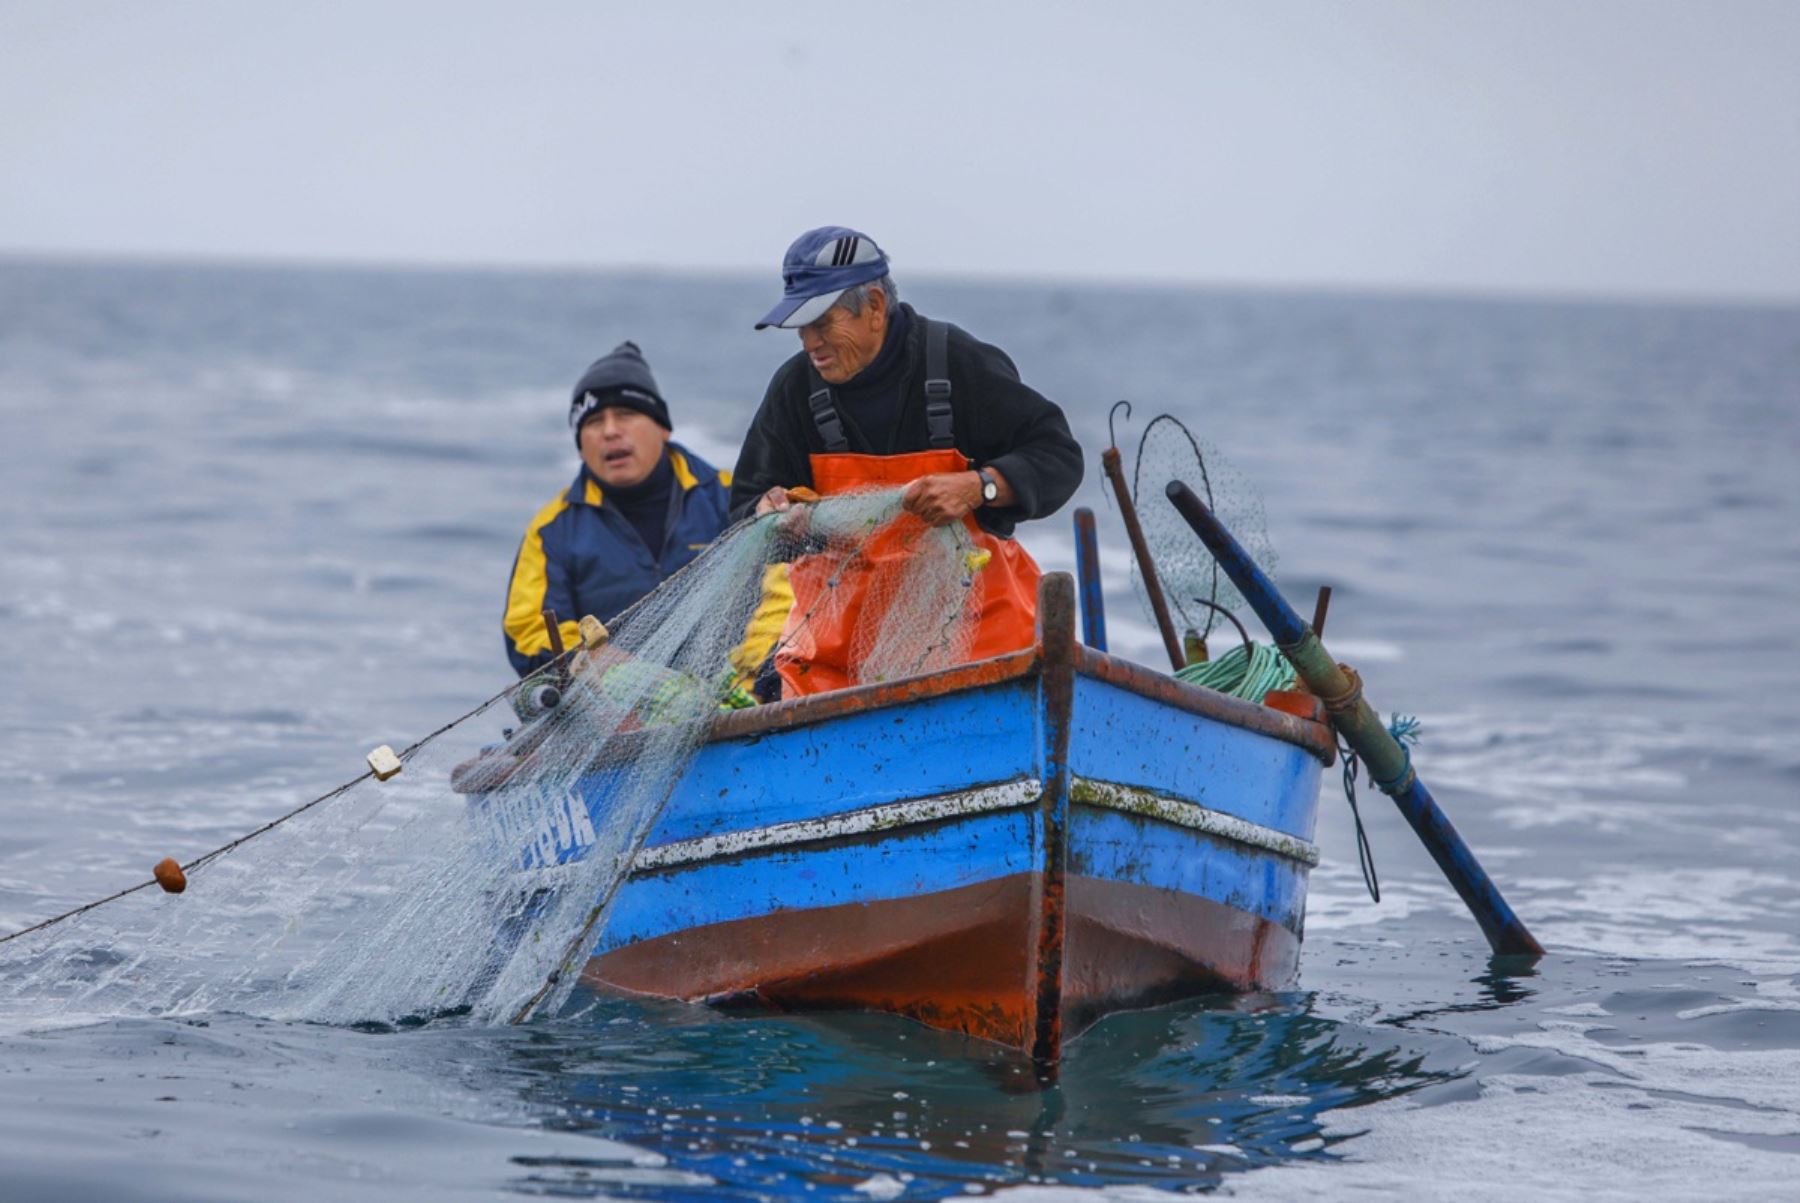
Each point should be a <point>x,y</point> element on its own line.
<point>825,417</point>
<point>939,420</point>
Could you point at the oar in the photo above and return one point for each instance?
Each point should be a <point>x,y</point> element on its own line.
<point>1390,767</point>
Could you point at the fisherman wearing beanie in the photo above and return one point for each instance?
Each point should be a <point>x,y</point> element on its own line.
<point>639,509</point>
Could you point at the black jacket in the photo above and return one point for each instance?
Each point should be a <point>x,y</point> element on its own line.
<point>998,421</point>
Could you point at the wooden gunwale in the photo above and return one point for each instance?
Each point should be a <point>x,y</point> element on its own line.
<point>818,707</point>
<point>1313,737</point>
<point>1135,678</point>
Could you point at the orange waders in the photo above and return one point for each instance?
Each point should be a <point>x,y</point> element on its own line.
<point>822,638</point>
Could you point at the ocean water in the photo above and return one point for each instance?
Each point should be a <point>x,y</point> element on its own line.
<point>257,520</point>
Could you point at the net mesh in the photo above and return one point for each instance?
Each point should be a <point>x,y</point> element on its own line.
<point>476,881</point>
<point>1189,575</point>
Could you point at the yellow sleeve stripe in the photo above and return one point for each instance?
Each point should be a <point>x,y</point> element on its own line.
<point>525,597</point>
<point>766,624</point>
<point>684,472</point>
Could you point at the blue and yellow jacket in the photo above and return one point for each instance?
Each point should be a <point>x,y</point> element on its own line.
<point>580,557</point>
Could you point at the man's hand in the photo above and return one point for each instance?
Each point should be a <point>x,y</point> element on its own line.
<point>942,498</point>
<point>775,501</point>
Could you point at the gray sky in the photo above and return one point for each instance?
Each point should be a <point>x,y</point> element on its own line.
<point>1614,147</point>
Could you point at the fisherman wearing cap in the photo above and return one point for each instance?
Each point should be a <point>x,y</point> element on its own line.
<point>640,508</point>
<point>881,396</point>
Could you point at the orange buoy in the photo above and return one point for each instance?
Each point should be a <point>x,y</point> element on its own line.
<point>169,875</point>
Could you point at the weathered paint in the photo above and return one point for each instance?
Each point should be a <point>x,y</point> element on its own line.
<point>1118,846</point>
<point>1315,737</point>
<point>957,959</point>
<point>872,814</point>
<point>1109,795</point>
<point>1132,945</point>
<point>858,760</point>
<point>872,820</point>
<point>1056,639</point>
<point>905,863</point>
<point>821,707</point>
<point>1123,737</point>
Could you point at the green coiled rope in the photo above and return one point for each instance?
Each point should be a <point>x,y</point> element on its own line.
<point>1247,675</point>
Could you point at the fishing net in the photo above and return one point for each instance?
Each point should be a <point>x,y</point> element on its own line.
<point>476,881</point>
<point>1193,584</point>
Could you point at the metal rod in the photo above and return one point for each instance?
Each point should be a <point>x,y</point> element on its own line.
<point>1319,609</point>
<point>1087,571</point>
<point>1244,635</point>
<point>1388,763</point>
<point>1109,462</point>
<point>553,629</point>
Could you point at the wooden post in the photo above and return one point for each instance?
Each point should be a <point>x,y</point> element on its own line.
<point>1109,462</point>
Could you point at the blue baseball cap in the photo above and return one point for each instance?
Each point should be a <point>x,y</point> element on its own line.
<point>816,271</point>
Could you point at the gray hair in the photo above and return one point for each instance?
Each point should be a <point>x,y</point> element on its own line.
<point>855,298</point>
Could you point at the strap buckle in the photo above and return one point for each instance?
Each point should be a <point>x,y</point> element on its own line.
<point>825,418</point>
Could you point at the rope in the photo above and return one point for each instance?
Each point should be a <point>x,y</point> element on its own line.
<point>1341,703</point>
<point>207,858</point>
<point>1365,855</point>
<point>1242,675</point>
<point>1405,730</point>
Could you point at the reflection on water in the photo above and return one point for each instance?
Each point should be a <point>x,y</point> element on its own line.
<point>1174,1097</point>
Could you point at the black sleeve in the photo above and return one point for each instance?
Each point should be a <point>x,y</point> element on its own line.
<point>1025,437</point>
<point>774,451</point>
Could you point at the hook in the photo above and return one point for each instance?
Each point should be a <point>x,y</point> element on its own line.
<point>1249,647</point>
<point>1113,438</point>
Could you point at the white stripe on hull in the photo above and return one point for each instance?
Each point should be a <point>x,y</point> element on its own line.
<point>989,799</point>
<point>1008,795</point>
<point>1147,804</point>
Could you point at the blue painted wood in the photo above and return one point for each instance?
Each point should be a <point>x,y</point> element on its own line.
<point>933,746</point>
<point>1127,848</point>
<point>946,744</point>
<point>901,864</point>
<point>1115,736</point>
<point>1121,737</point>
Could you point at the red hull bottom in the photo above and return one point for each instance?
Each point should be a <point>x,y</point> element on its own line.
<point>964,959</point>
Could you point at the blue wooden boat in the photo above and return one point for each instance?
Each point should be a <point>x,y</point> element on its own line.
<point>1010,848</point>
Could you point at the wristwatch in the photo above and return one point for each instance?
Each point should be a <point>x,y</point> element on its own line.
<point>990,488</point>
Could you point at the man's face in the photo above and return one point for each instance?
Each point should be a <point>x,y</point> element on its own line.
<point>621,446</point>
<point>841,344</point>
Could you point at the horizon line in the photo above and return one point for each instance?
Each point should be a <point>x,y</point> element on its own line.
<point>1373,291</point>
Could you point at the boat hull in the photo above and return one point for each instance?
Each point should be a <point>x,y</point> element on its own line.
<point>959,959</point>
<point>1010,848</point>
<point>1129,840</point>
